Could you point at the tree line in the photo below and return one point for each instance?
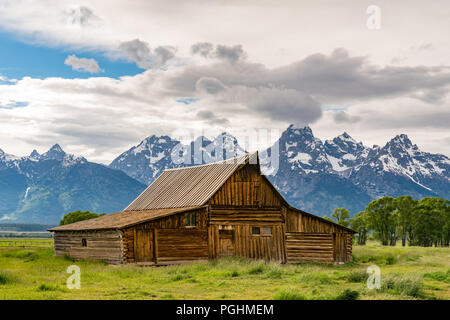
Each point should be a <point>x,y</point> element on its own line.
<point>424,222</point>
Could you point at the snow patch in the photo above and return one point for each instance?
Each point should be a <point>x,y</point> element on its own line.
<point>335,164</point>
<point>301,157</point>
<point>348,156</point>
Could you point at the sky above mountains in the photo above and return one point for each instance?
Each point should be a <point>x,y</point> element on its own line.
<point>99,76</point>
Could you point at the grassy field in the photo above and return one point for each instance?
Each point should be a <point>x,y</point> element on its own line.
<point>407,273</point>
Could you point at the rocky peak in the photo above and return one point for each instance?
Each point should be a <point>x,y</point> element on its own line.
<point>34,154</point>
<point>54,153</point>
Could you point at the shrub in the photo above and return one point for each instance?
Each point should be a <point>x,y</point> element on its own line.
<point>357,276</point>
<point>318,278</point>
<point>439,276</point>
<point>376,258</point>
<point>68,258</point>
<point>234,274</point>
<point>402,285</point>
<point>256,269</point>
<point>289,294</point>
<point>274,274</point>
<point>5,278</point>
<point>179,277</point>
<point>46,287</point>
<point>390,260</point>
<point>348,294</point>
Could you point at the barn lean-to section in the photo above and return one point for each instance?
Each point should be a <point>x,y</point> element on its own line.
<point>206,212</point>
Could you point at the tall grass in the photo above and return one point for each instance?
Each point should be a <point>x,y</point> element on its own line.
<point>6,278</point>
<point>289,294</point>
<point>403,285</point>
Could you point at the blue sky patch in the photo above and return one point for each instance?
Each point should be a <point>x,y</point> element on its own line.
<point>331,108</point>
<point>14,105</point>
<point>187,100</point>
<point>19,59</point>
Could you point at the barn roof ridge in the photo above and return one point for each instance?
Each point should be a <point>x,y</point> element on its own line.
<point>233,160</point>
<point>188,186</point>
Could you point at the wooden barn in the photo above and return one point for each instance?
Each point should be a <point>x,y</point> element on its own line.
<point>205,212</point>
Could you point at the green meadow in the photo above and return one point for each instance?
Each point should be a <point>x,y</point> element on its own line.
<point>406,273</point>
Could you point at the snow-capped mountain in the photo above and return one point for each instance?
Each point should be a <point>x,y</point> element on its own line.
<point>342,172</point>
<point>312,174</point>
<point>344,152</point>
<point>42,188</point>
<point>400,167</point>
<point>154,154</point>
<point>148,159</point>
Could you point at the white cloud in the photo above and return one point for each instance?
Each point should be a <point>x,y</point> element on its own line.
<point>82,64</point>
<point>139,51</point>
<point>285,74</point>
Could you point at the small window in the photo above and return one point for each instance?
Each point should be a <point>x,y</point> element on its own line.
<point>83,242</point>
<point>267,231</point>
<point>256,230</point>
<point>191,219</point>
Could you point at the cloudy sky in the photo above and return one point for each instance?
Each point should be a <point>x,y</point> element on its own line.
<point>99,76</point>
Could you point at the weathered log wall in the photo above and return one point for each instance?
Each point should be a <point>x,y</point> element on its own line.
<point>181,245</point>
<point>246,188</point>
<point>167,231</point>
<point>309,247</point>
<point>349,247</point>
<point>296,221</point>
<point>100,245</point>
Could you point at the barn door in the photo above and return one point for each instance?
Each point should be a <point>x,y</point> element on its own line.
<point>340,247</point>
<point>143,245</point>
<point>226,243</point>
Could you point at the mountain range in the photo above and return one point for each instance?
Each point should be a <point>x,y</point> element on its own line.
<point>312,174</point>
<point>42,188</point>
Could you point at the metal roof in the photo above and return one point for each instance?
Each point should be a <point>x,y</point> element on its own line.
<point>189,186</point>
<point>120,219</point>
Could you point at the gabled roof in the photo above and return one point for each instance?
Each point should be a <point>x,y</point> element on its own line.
<point>189,186</point>
<point>121,219</point>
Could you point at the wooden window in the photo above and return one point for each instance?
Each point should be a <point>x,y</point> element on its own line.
<point>262,231</point>
<point>191,219</point>
<point>83,242</point>
<point>256,230</point>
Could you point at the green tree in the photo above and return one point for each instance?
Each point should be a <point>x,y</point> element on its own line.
<point>78,216</point>
<point>341,216</point>
<point>431,222</point>
<point>405,206</point>
<point>382,218</point>
<point>359,223</point>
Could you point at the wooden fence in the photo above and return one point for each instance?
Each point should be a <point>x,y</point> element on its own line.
<point>26,243</point>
